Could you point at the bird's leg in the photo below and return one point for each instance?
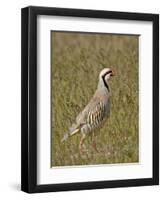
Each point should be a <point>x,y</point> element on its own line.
<point>94,142</point>
<point>81,144</point>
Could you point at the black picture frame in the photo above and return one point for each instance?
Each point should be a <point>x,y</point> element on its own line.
<point>29,99</point>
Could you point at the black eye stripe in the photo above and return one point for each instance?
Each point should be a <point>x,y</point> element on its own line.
<point>108,72</point>
<point>103,78</point>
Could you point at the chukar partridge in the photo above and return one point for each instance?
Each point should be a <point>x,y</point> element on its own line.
<point>95,113</point>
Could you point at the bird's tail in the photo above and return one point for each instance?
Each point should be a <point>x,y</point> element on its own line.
<point>72,131</point>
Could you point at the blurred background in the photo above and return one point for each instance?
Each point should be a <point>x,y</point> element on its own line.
<point>77,59</point>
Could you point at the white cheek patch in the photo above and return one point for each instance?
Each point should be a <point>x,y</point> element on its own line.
<point>107,77</point>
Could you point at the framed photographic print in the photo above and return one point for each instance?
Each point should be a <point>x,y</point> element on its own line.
<point>90,99</point>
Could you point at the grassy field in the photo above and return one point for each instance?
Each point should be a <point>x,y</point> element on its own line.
<point>77,60</point>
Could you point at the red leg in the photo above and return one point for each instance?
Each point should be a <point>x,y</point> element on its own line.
<point>81,144</point>
<point>94,142</point>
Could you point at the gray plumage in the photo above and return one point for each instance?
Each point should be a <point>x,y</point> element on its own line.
<point>97,110</point>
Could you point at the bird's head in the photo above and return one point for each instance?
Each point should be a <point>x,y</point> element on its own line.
<point>105,75</point>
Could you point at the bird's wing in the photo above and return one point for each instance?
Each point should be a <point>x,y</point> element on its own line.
<point>93,113</point>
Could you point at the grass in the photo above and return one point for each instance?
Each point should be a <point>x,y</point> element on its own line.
<point>77,60</point>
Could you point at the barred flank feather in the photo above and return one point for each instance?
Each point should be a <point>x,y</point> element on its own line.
<point>96,115</point>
